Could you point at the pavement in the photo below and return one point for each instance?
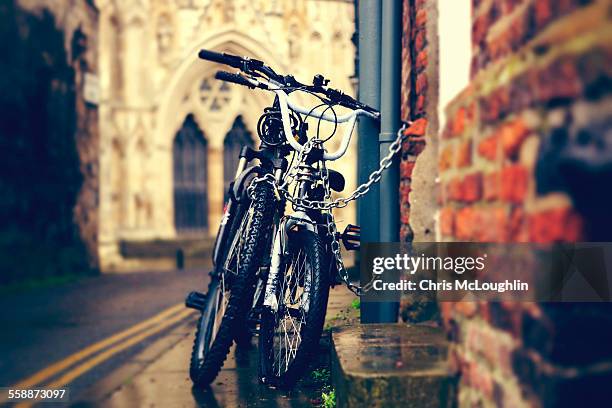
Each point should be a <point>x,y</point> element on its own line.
<point>75,334</point>
<point>158,377</point>
<point>124,340</point>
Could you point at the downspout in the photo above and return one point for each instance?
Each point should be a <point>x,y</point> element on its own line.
<point>390,80</point>
<point>369,21</point>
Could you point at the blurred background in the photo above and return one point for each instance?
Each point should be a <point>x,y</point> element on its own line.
<point>117,142</point>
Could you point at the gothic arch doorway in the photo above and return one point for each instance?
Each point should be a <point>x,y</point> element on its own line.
<point>189,152</point>
<point>237,137</point>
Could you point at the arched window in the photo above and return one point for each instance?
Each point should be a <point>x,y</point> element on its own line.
<point>237,137</point>
<point>190,177</point>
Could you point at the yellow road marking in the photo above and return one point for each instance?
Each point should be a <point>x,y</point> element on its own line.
<point>55,368</point>
<point>89,364</point>
<point>100,358</point>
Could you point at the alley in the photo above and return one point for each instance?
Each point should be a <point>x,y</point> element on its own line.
<point>72,323</point>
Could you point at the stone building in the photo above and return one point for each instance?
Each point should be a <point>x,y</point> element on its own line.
<point>164,117</point>
<point>49,128</point>
<point>511,143</point>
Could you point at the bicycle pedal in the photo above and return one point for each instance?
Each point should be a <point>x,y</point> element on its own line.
<point>196,300</point>
<point>351,237</point>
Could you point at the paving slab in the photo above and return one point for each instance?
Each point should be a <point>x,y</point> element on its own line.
<point>158,377</point>
<point>390,365</point>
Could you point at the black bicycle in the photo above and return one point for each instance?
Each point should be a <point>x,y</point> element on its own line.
<point>272,271</point>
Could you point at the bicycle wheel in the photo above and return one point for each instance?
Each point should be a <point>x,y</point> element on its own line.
<point>289,335</point>
<point>231,290</point>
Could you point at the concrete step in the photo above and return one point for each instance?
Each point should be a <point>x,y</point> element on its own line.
<point>391,365</point>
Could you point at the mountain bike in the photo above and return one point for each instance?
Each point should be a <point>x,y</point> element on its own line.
<point>273,271</point>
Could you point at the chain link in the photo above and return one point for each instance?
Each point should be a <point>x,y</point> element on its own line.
<point>328,204</point>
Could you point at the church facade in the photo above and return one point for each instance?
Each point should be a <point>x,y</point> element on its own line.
<point>169,133</point>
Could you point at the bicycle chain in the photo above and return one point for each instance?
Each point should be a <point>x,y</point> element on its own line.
<point>327,204</point>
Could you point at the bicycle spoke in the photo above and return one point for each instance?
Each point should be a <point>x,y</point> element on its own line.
<point>291,315</point>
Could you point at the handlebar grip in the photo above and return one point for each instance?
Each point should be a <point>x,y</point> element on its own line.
<point>234,78</point>
<point>221,58</point>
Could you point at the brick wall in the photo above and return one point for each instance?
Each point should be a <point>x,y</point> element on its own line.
<point>539,92</point>
<point>415,87</point>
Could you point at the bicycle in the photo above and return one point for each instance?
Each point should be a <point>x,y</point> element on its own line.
<point>274,270</point>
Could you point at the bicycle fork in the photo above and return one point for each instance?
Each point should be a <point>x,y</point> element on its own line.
<point>298,219</point>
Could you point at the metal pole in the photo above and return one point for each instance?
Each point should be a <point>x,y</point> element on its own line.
<point>369,17</point>
<point>390,80</point>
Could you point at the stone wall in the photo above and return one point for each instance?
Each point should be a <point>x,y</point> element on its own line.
<point>512,169</point>
<point>78,20</point>
<point>49,154</point>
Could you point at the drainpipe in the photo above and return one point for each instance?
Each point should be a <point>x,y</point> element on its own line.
<point>390,80</point>
<point>382,92</point>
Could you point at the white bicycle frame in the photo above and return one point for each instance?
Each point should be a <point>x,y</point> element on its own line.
<point>300,217</point>
<point>285,104</point>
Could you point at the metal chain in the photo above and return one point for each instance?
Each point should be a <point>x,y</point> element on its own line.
<point>327,204</point>
<point>360,191</point>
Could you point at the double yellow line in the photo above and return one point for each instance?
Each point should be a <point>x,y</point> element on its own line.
<point>111,346</point>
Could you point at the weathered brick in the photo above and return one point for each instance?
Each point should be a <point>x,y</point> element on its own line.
<point>420,40</point>
<point>406,167</point>
<point>514,183</point>
<point>464,154</point>
<point>559,224</point>
<point>417,128</point>
<point>421,83</point>
<point>491,184</point>
<point>512,135</point>
<point>421,60</point>
<point>421,18</point>
<point>487,148</point>
<point>458,123</point>
<point>493,225</point>
<point>447,221</point>
<point>446,158</point>
<point>466,221</point>
<point>471,188</point>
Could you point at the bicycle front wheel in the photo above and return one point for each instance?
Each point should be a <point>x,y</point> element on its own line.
<point>290,334</point>
<point>230,293</point>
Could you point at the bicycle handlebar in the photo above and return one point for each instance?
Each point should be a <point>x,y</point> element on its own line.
<point>279,84</point>
<point>234,78</point>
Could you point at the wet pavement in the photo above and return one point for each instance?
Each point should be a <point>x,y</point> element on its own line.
<point>45,325</point>
<point>158,376</point>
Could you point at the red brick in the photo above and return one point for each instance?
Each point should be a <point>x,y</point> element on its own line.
<point>446,158</point>
<point>406,168</point>
<point>471,188</point>
<point>404,191</point>
<point>418,128</point>
<point>447,221</point>
<point>464,154</point>
<point>421,18</point>
<point>480,28</point>
<point>493,226</point>
<point>490,186</point>
<point>458,123</point>
<point>488,147</point>
<point>516,226</point>
<point>559,224</point>
<point>421,83</point>
<point>421,60</point>
<point>420,40</point>
<point>512,135</point>
<point>420,105</point>
<point>543,12</point>
<point>514,183</point>
<point>466,221</point>
<point>453,190</point>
